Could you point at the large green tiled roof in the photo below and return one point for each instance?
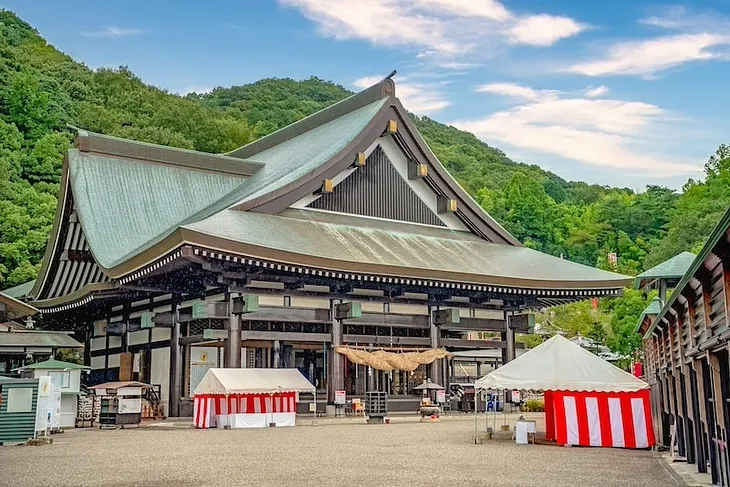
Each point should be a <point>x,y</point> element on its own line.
<point>673,268</point>
<point>362,243</point>
<point>290,160</point>
<point>137,202</point>
<point>126,206</point>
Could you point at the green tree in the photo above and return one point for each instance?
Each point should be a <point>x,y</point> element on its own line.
<point>625,312</point>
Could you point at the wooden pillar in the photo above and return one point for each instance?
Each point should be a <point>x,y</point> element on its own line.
<point>435,335</point>
<point>87,343</point>
<point>277,354</point>
<point>337,361</point>
<point>176,371</point>
<point>511,347</point>
<point>232,350</point>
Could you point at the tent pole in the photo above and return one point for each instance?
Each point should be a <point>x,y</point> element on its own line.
<point>476,416</point>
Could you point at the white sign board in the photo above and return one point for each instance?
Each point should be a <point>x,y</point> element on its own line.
<point>130,405</point>
<point>515,396</point>
<point>43,406</point>
<point>54,408</point>
<point>340,397</point>
<point>441,397</point>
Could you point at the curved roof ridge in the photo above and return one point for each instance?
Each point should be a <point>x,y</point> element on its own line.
<point>383,89</point>
<point>93,142</point>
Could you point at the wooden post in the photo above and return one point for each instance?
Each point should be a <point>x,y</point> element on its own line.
<point>232,350</point>
<point>511,347</point>
<point>336,360</point>
<point>435,335</point>
<point>175,392</point>
<point>277,354</point>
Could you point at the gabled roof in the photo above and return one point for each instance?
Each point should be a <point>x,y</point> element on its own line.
<point>125,205</point>
<point>53,364</point>
<point>673,268</point>
<point>560,365</point>
<point>653,309</point>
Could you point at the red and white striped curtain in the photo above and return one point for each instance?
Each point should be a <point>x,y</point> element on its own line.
<point>609,419</point>
<point>207,406</point>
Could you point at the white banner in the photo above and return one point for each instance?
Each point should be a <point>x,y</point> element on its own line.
<point>43,406</point>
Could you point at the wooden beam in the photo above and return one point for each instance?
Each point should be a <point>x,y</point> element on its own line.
<point>390,319</point>
<point>446,205</point>
<point>416,170</point>
<point>478,324</point>
<point>386,340</point>
<point>691,298</point>
<point>286,336</point>
<point>460,343</point>
<point>360,159</point>
<point>289,314</point>
<point>705,279</point>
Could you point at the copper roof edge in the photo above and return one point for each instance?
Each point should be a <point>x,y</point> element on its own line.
<point>92,142</point>
<point>383,89</point>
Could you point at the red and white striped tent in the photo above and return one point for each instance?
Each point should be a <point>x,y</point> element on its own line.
<point>588,401</point>
<point>248,398</point>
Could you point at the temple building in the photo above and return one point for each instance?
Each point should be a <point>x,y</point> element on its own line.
<point>342,229</point>
<point>685,337</point>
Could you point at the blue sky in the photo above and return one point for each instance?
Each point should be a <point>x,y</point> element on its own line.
<point>624,93</point>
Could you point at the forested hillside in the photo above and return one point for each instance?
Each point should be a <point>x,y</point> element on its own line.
<point>42,91</point>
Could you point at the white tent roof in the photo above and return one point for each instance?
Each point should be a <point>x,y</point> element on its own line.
<point>253,381</point>
<point>559,364</point>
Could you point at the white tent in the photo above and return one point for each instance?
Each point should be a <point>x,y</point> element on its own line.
<point>248,398</point>
<point>588,401</point>
<point>252,381</point>
<point>559,364</point>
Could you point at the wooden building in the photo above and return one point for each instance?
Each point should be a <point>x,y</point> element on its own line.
<point>20,342</point>
<point>686,357</point>
<point>340,229</point>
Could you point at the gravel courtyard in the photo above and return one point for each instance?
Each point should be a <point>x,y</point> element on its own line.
<point>398,454</point>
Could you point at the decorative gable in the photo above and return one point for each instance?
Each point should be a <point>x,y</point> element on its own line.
<point>376,189</point>
<point>73,266</point>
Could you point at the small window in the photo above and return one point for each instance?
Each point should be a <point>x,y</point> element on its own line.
<point>20,400</point>
<point>60,379</point>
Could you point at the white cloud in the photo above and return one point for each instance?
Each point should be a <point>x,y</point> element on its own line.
<point>109,31</point>
<point>648,57</point>
<point>439,28</point>
<point>544,30</point>
<point>608,133</point>
<point>515,90</point>
<point>596,92</point>
<point>419,98</point>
